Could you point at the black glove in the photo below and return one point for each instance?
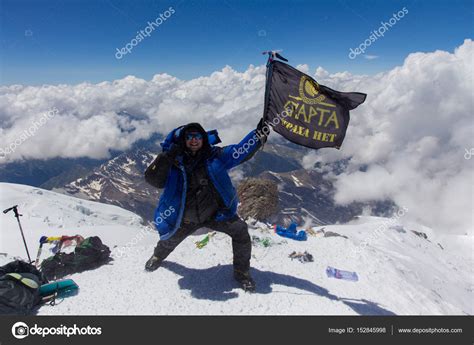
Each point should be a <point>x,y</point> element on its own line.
<point>263,135</point>
<point>260,125</point>
<point>175,150</point>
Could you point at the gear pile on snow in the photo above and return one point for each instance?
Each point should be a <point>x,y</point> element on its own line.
<point>24,289</point>
<point>88,254</point>
<point>57,244</point>
<point>303,257</point>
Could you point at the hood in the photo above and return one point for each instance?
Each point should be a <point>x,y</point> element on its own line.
<point>194,126</point>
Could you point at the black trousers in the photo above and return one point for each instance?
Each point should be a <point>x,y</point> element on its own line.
<point>235,228</point>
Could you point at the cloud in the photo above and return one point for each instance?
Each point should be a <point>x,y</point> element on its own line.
<point>407,141</point>
<point>321,73</point>
<point>94,118</point>
<point>303,68</point>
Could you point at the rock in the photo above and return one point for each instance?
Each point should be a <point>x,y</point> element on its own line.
<point>84,210</point>
<point>333,234</point>
<point>420,234</point>
<point>398,228</point>
<point>258,198</point>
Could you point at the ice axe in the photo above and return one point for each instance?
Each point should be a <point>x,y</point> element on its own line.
<point>17,216</point>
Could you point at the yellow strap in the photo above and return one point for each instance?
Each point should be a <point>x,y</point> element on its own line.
<point>27,281</point>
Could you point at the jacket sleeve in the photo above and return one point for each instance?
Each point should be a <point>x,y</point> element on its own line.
<point>233,155</point>
<point>157,173</point>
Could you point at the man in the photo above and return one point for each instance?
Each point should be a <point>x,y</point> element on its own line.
<point>199,193</point>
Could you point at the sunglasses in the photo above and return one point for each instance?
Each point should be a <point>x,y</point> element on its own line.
<point>190,136</point>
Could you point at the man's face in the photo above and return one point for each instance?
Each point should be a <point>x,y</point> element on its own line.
<point>193,141</point>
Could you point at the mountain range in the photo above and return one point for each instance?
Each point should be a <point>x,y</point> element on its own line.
<point>305,195</point>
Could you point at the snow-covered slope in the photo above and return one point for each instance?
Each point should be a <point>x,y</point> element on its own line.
<point>52,214</point>
<point>400,271</point>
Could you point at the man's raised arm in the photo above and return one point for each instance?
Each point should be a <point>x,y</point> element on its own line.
<point>233,155</point>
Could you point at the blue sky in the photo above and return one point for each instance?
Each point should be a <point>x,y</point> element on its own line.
<point>71,41</point>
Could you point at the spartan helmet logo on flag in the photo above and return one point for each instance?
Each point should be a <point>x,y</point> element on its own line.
<point>309,91</point>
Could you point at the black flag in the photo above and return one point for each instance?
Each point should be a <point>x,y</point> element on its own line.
<point>305,112</point>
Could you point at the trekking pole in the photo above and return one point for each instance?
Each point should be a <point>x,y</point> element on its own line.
<point>17,216</point>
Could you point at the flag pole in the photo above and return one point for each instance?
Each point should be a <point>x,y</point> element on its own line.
<point>272,55</point>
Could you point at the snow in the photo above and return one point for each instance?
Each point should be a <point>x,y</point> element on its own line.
<point>91,191</point>
<point>51,214</point>
<point>276,175</point>
<point>399,272</point>
<point>126,166</point>
<point>314,218</point>
<point>296,181</point>
<point>96,185</point>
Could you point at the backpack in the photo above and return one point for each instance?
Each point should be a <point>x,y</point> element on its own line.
<point>89,254</point>
<point>19,288</point>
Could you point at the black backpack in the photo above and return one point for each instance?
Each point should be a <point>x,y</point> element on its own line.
<point>89,254</point>
<point>19,288</point>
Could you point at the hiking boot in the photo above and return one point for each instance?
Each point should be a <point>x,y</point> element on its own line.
<point>245,280</point>
<point>153,263</point>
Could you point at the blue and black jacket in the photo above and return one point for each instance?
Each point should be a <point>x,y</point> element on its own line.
<point>169,173</point>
